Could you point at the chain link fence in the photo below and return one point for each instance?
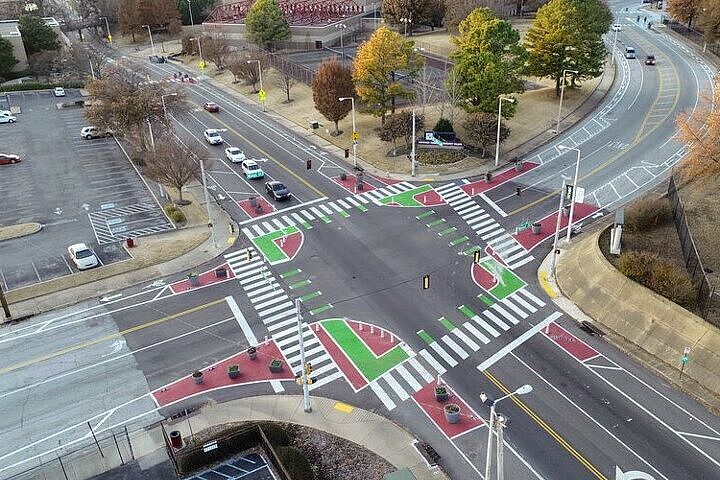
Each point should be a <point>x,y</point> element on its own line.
<point>695,37</point>
<point>707,298</point>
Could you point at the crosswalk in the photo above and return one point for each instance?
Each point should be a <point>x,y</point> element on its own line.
<point>440,355</point>
<point>277,312</point>
<point>117,223</point>
<point>323,211</point>
<point>502,243</point>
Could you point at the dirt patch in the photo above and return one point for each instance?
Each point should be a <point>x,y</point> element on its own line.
<point>701,198</point>
<point>19,230</point>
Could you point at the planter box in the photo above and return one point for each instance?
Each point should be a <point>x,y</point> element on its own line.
<point>194,279</point>
<point>276,366</point>
<point>536,228</point>
<point>441,394</point>
<point>252,353</point>
<point>452,413</point>
<point>198,377</point>
<point>234,371</point>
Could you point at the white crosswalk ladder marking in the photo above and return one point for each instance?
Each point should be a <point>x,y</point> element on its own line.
<point>420,369</point>
<point>486,326</point>
<point>439,369</point>
<point>504,313</point>
<point>325,209</point>
<point>297,217</point>
<point>531,297</point>
<point>278,224</point>
<point>407,376</point>
<point>517,298</point>
<point>268,228</point>
<point>307,215</point>
<point>514,308</point>
<point>397,388</point>
<point>317,212</point>
<point>344,205</point>
<point>455,347</point>
<point>471,328</point>
<point>443,354</point>
<point>276,308</point>
<point>384,397</point>
<point>495,319</point>
<point>467,340</point>
<point>259,231</point>
<point>288,220</point>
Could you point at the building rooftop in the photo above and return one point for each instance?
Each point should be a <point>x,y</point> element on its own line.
<point>9,28</point>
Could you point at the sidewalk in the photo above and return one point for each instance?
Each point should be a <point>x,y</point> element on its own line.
<point>205,252</point>
<point>149,458</point>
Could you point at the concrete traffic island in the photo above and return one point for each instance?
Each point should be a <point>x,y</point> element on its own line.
<point>19,230</point>
<point>647,326</point>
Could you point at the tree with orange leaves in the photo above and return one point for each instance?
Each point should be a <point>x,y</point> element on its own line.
<point>701,131</point>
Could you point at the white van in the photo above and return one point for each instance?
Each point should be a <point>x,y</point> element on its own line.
<point>629,52</point>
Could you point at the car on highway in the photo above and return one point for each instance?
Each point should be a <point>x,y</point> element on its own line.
<point>8,159</point>
<point>212,136</point>
<point>650,60</point>
<point>617,27</point>
<point>82,256</point>
<point>629,52</point>
<point>91,131</point>
<point>59,92</point>
<point>234,154</point>
<point>8,119</point>
<point>277,190</point>
<point>211,107</point>
<point>251,169</point>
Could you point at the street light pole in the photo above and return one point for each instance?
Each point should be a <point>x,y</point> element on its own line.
<point>162,99</point>
<point>3,301</point>
<point>260,78</point>
<point>553,258</point>
<point>574,192</point>
<point>497,142</point>
<point>354,131</point>
<point>342,28</point>
<point>152,44</point>
<point>493,418</point>
<point>412,152</point>
<point>612,52</point>
<point>107,28</point>
<point>562,94</point>
<point>207,202</point>
<point>152,139</point>
<point>306,389</point>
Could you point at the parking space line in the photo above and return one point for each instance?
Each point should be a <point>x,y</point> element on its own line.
<point>36,271</point>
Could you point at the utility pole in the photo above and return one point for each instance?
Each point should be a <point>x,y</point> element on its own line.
<point>3,300</point>
<point>304,375</point>
<point>553,258</point>
<point>207,202</point>
<point>412,152</point>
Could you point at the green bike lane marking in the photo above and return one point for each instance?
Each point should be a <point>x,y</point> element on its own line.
<point>300,284</point>
<point>435,222</point>
<point>310,296</point>
<point>467,312</point>
<point>425,337</point>
<point>344,214</point>
<point>442,233</point>
<point>406,199</point>
<point>266,244</point>
<point>290,273</point>
<point>507,284</point>
<point>321,308</point>
<point>487,301</point>
<point>326,219</point>
<point>459,240</point>
<point>426,214</point>
<point>447,324</point>
<point>306,225</point>
<point>362,208</point>
<point>471,250</point>
<point>357,351</point>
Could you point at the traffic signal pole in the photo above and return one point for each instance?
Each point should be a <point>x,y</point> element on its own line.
<point>4,303</point>
<point>305,379</point>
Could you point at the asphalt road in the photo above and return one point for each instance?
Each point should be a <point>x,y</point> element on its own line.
<point>81,191</point>
<point>592,409</point>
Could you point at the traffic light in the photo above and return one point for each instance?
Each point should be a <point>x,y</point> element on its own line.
<point>569,190</point>
<point>249,254</point>
<point>347,153</point>
<point>308,368</point>
<point>476,256</point>
<point>308,164</point>
<point>426,282</point>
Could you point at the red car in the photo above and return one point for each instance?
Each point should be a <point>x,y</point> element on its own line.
<point>211,107</point>
<point>7,159</point>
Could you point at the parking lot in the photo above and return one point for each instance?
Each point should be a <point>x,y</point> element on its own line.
<point>248,467</point>
<point>81,191</point>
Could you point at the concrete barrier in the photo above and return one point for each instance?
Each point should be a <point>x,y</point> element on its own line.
<point>648,321</point>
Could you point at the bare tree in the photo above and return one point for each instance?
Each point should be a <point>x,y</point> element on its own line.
<point>285,81</point>
<point>426,88</point>
<point>247,72</point>
<point>174,164</point>
<point>216,49</point>
<point>451,96</point>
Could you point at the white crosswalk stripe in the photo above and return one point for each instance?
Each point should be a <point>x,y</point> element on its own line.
<point>504,313</point>
<point>471,328</point>
<point>517,310</point>
<point>432,362</point>
<point>405,374</point>
<point>420,369</point>
<point>443,354</point>
<point>517,298</point>
<point>384,397</point>
<point>399,391</point>
<point>455,347</point>
<point>531,297</point>
<point>467,340</point>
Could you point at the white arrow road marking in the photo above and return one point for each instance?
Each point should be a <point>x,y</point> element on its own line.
<point>111,297</point>
<point>632,475</point>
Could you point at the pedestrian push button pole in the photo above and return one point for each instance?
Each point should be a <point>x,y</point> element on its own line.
<point>308,164</point>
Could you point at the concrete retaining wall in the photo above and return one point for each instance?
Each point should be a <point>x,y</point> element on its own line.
<point>652,323</point>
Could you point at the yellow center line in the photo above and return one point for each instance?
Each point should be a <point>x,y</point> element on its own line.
<point>556,436</point>
<point>270,157</point>
<point>89,343</point>
<point>640,136</point>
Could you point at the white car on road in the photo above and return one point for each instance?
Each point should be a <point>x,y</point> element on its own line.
<point>7,119</point>
<point>251,169</point>
<point>83,257</point>
<point>234,154</point>
<point>212,136</point>
<point>617,27</point>
<point>59,92</point>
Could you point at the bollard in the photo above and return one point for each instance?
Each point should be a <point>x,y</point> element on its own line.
<point>360,326</point>
<point>382,333</point>
<point>372,329</point>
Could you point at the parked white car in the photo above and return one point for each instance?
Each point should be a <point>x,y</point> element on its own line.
<point>212,136</point>
<point>7,119</point>
<point>234,154</point>
<point>617,27</point>
<point>94,132</point>
<point>82,256</point>
<point>59,92</point>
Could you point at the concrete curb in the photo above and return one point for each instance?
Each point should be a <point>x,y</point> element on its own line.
<point>36,227</point>
<point>639,325</point>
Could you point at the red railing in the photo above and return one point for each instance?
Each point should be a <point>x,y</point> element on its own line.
<point>318,12</point>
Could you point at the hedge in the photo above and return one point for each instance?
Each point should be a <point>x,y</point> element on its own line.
<point>41,86</point>
<point>175,214</point>
<point>659,275</point>
<point>646,214</point>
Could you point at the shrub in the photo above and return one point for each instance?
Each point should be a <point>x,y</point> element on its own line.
<point>673,284</point>
<point>438,157</point>
<point>175,214</point>
<point>637,265</point>
<point>296,464</point>
<point>647,213</point>
<point>41,86</point>
<point>443,125</point>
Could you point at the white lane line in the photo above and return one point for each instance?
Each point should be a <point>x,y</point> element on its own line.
<point>706,437</point>
<point>242,322</point>
<point>455,347</point>
<point>500,354</point>
<point>431,360</point>
<point>384,397</point>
